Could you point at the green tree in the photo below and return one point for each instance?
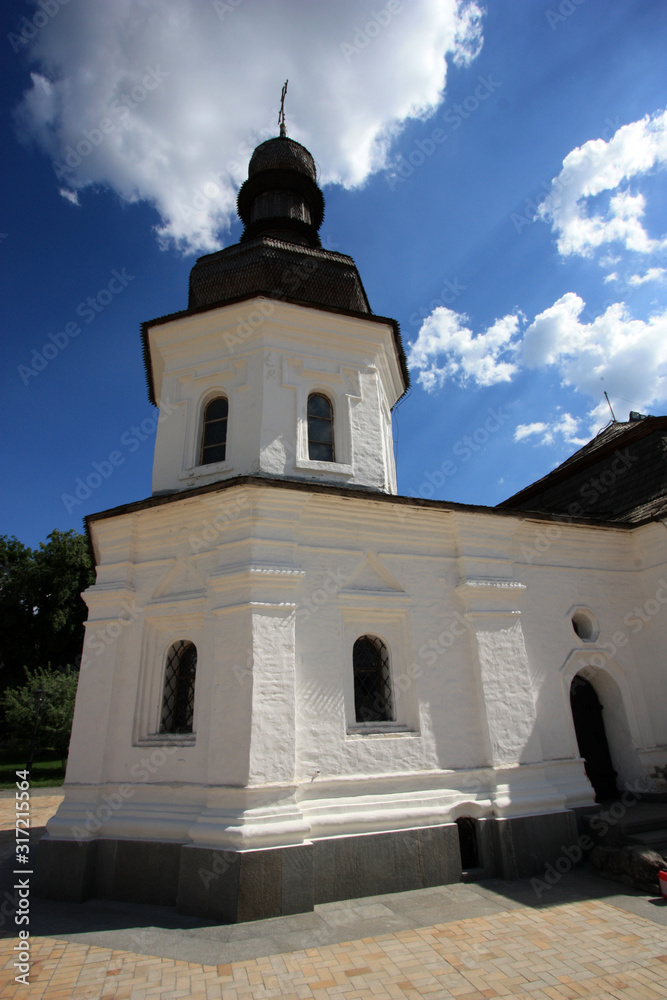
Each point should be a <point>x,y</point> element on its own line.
<point>41,610</point>
<point>16,608</point>
<point>56,690</point>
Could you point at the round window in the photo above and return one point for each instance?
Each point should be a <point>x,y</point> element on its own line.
<point>584,626</point>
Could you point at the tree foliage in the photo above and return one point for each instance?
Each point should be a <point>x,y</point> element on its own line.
<point>41,610</point>
<point>55,691</point>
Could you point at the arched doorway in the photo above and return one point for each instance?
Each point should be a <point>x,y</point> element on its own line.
<point>592,738</point>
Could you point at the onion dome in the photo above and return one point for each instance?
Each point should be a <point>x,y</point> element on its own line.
<point>282,153</point>
<point>279,255</point>
<point>281,197</point>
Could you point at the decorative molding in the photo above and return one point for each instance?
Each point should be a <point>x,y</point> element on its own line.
<point>490,585</point>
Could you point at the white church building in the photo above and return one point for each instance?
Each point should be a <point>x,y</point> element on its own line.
<point>298,686</point>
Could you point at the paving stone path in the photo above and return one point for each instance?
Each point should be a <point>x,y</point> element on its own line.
<point>582,948</point>
<point>574,950</point>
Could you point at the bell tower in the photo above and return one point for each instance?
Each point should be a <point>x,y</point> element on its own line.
<point>278,367</point>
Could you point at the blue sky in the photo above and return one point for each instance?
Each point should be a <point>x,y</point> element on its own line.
<point>497,171</point>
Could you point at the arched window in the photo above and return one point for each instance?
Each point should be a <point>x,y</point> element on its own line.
<point>372,682</point>
<point>178,701</point>
<point>214,437</point>
<point>320,428</point>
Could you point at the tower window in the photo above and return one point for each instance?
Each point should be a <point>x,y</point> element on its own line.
<point>178,700</point>
<point>214,438</point>
<point>320,428</point>
<point>372,682</point>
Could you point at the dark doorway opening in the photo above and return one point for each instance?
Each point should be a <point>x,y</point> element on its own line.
<point>468,843</point>
<point>592,738</point>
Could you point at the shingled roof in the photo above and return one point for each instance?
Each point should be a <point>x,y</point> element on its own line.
<point>620,475</point>
<point>278,269</point>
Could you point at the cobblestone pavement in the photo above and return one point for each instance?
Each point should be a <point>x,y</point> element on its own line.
<point>514,946</point>
<point>588,949</point>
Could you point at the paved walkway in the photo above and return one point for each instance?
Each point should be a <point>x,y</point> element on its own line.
<point>574,950</point>
<point>584,940</point>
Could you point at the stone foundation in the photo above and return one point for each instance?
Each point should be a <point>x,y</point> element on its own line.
<point>232,886</point>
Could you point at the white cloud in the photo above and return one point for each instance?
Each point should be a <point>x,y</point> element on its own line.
<point>71,196</point>
<point>180,91</point>
<point>612,351</point>
<point>600,166</point>
<point>653,274</point>
<point>546,338</point>
<point>566,427</point>
<point>528,430</point>
<point>484,358</point>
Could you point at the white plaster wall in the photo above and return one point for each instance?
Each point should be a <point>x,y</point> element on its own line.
<point>645,620</point>
<point>266,357</point>
<point>274,585</point>
<point>595,569</point>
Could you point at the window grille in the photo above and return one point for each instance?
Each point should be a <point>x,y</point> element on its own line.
<point>320,429</point>
<point>372,685</point>
<point>178,701</point>
<point>214,438</point>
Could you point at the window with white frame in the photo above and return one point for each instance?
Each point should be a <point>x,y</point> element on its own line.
<point>214,432</point>
<point>320,428</point>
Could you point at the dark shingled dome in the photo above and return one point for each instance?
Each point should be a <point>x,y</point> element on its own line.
<point>279,254</point>
<point>280,197</point>
<point>278,270</point>
<point>282,153</point>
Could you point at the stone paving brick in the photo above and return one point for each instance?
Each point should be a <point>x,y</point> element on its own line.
<point>579,950</point>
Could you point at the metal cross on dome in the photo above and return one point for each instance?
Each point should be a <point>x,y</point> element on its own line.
<point>281,114</point>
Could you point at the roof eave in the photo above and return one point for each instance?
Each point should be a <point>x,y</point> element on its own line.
<point>183,313</point>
